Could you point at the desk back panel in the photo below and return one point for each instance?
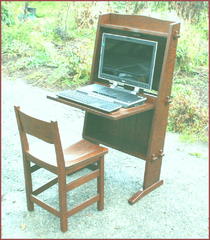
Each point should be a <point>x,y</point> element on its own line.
<point>129,135</point>
<point>140,22</point>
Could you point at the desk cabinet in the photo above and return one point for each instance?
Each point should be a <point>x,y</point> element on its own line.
<point>138,131</point>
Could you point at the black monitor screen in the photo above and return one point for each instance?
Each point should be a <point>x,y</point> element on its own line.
<point>127,60</point>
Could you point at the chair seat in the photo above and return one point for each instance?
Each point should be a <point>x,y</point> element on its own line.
<point>81,151</point>
<point>73,154</point>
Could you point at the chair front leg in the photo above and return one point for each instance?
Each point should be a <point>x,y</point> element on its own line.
<point>63,202</point>
<point>100,184</point>
<point>28,183</point>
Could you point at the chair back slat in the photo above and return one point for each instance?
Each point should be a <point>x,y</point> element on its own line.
<point>46,131</point>
<point>37,128</point>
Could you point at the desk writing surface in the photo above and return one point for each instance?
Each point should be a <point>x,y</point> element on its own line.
<point>119,114</point>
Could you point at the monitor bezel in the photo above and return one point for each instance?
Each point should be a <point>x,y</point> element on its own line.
<point>120,80</point>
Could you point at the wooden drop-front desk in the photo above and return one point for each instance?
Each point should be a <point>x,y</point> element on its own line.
<point>138,131</point>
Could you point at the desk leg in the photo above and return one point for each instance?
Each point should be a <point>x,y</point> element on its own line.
<point>151,180</point>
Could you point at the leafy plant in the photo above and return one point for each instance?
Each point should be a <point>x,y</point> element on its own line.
<point>59,43</point>
<point>190,56</point>
<point>187,115</point>
<point>7,14</point>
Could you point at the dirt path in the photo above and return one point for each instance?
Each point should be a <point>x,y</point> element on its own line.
<point>178,209</point>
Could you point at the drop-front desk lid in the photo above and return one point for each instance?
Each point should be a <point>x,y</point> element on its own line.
<point>119,114</point>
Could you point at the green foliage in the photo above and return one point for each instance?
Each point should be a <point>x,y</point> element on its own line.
<point>187,115</point>
<point>7,15</point>
<point>193,11</point>
<point>192,51</point>
<point>55,50</point>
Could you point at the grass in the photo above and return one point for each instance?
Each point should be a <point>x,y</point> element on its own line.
<point>54,51</point>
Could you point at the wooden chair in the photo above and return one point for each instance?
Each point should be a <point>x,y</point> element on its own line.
<point>60,162</point>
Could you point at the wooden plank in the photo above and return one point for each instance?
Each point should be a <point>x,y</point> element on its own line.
<point>34,168</point>
<point>82,164</point>
<point>121,113</point>
<point>141,194</point>
<point>37,128</point>
<point>129,135</point>
<point>45,186</point>
<point>140,22</point>
<point>99,141</point>
<point>45,206</point>
<point>78,182</point>
<point>136,30</point>
<point>83,205</point>
<point>158,130</point>
<point>100,185</point>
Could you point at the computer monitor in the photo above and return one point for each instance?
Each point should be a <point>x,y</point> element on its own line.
<point>127,60</point>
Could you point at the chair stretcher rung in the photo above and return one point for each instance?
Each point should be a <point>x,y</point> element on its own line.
<point>82,180</point>
<point>83,205</point>
<point>44,205</point>
<point>45,186</point>
<point>34,168</point>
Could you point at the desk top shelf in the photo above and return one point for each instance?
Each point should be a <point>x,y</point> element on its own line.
<point>135,30</point>
<point>121,113</point>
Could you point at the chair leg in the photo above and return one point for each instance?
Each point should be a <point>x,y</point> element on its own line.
<point>28,183</point>
<point>100,184</point>
<point>63,203</point>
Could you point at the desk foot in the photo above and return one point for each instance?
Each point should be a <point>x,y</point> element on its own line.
<point>141,194</point>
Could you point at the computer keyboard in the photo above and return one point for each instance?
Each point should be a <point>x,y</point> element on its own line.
<point>117,94</point>
<point>121,96</point>
<point>91,101</point>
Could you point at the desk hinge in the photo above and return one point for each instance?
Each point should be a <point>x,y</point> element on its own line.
<point>176,35</point>
<point>168,100</point>
<point>135,90</point>
<point>113,84</point>
<point>157,156</point>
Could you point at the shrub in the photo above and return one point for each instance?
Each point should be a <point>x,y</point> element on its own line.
<point>59,42</point>
<point>7,16</point>
<point>190,55</point>
<point>187,115</point>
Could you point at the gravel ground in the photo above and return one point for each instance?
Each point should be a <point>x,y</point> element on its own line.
<point>177,209</point>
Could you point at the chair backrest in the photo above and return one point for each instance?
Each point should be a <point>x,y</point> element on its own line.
<point>46,131</point>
